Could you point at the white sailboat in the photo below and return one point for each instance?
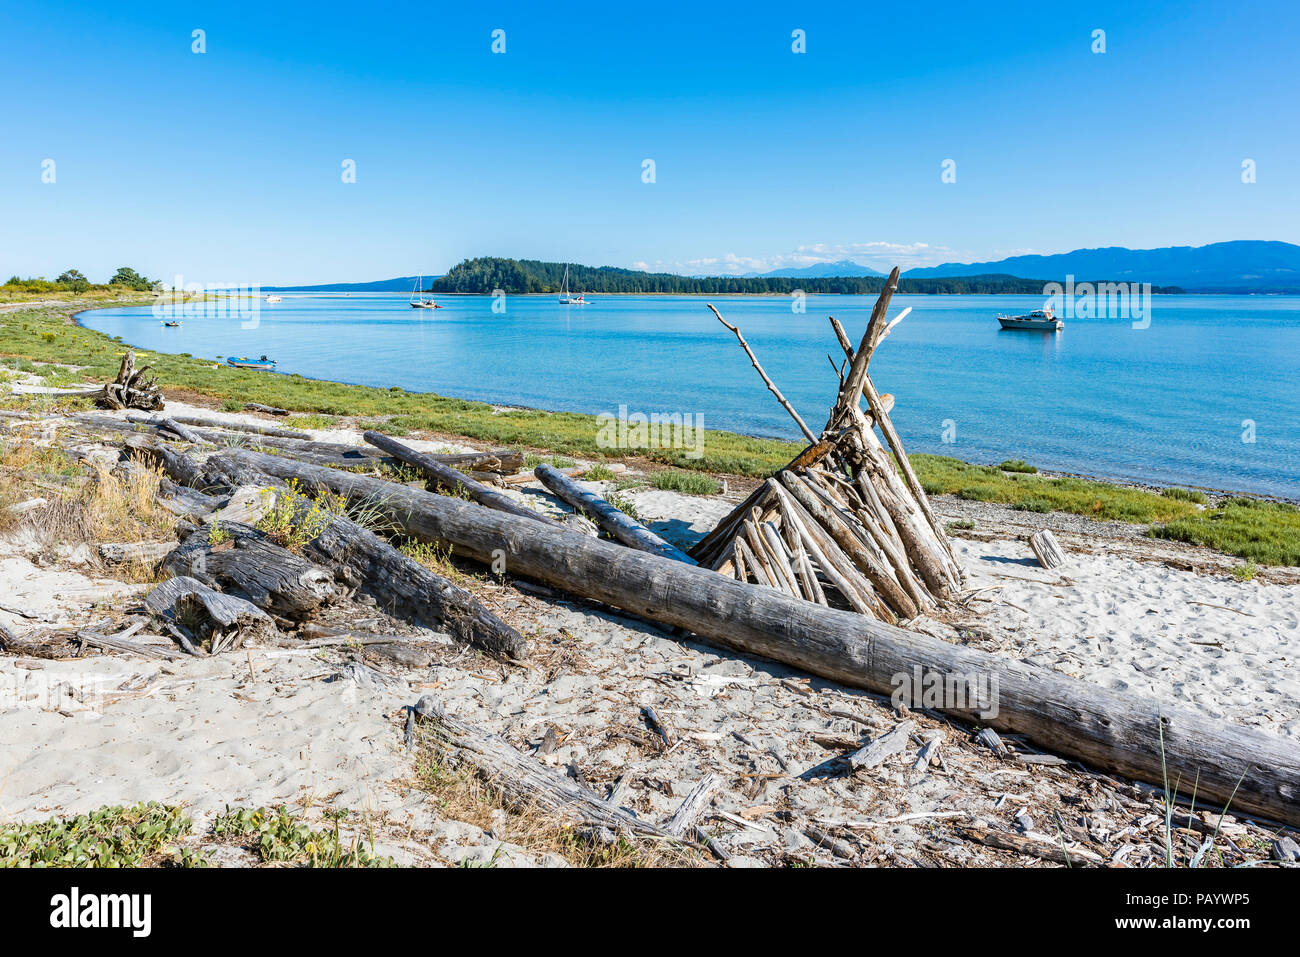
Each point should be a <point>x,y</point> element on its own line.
<point>565,296</point>
<point>418,302</point>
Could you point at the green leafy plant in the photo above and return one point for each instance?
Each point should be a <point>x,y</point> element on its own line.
<point>278,838</point>
<point>216,534</point>
<point>138,836</point>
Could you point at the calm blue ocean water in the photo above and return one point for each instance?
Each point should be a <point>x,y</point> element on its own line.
<point>1168,404</point>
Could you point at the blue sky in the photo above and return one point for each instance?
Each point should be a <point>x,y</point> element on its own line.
<point>225,166</point>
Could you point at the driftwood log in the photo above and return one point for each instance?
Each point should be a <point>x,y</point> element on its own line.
<point>202,615</point>
<point>265,409</point>
<point>1130,734</point>
<point>450,478</point>
<point>249,564</point>
<point>177,466</point>
<point>400,585</point>
<point>618,524</point>
<point>54,646</point>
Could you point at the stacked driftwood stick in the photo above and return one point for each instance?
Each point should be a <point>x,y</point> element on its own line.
<point>846,522</point>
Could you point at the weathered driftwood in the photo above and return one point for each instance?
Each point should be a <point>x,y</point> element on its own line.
<point>249,564</point>
<point>177,466</point>
<point>402,586</point>
<point>148,553</point>
<point>203,615</point>
<point>235,426</point>
<point>693,805</point>
<point>882,747</point>
<point>265,409</point>
<point>181,431</point>
<point>524,782</point>
<point>130,390</point>
<point>1047,549</point>
<point>1006,841</point>
<point>618,524</point>
<point>1129,734</point>
<point>49,646</point>
<point>449,477</point>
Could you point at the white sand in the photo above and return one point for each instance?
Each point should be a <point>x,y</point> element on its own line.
<point>1137,626</point>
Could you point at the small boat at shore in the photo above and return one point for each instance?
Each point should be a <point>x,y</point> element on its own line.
<point>419,302</point>
<point>273,299</point>
<point>1040,319</point>
<point>243,362</point>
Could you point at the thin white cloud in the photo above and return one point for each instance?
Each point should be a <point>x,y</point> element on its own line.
<point>880,255</point>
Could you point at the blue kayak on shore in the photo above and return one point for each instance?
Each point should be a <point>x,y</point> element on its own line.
<point>246,363</point>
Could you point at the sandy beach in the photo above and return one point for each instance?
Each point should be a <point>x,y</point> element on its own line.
<point>294,725</point>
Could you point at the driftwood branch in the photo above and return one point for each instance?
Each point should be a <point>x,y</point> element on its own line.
<point>771,386</point>
<point>620,525</point>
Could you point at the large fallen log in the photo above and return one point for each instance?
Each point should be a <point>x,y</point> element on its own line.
<point>448,477</point>
<point>1258,773</point>
<point>247,563</point>
<point>300,444</point>
<point>402,586</point>
<point>622,526</point>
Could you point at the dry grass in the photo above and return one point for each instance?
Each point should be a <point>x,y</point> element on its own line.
<point>464,795</point>
<point>83,506</point>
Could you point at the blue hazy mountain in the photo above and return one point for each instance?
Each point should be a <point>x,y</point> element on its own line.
<point>816,271</point>
<point>1239,266</point>
<point>400,284</point>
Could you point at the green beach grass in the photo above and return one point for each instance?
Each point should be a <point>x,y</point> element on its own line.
<point>1264,532</point>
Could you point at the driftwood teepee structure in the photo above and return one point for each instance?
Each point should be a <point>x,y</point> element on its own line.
<point>845,522</point>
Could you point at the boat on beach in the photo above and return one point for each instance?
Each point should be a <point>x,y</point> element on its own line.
<point>1040,319</point>
<point>565,297</point>
<point>418,302</point>
<point>243,362</point>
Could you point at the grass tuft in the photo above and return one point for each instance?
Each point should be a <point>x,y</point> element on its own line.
<point>692,483</point>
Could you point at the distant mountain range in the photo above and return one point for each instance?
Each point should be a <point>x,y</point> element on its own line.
<point>399,284</point>
<point>1239,266</point>
<point>817,271</point>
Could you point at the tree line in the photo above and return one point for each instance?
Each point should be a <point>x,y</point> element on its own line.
<point>73,280</point>
<point>487,274</point>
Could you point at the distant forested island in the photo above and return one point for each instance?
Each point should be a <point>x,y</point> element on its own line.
<point>487,274</point>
